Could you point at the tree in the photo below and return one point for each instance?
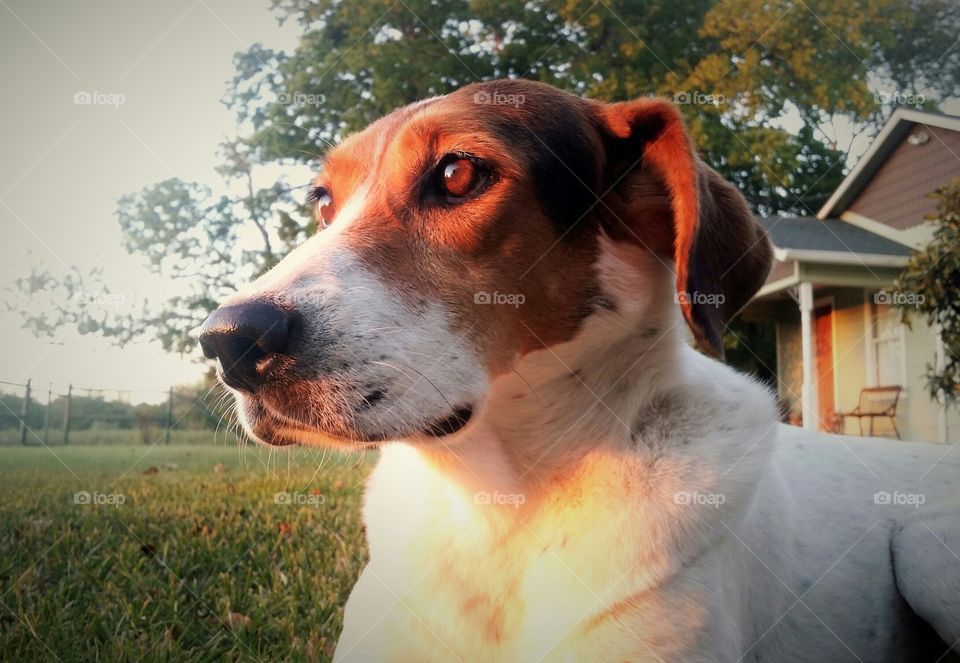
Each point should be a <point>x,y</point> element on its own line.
<point>736,67</point>
<point>190,236</point>
<point>929,287</point>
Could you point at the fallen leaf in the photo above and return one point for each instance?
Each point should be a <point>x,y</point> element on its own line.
<point>236,621</point>
<point>151,470</point>
<point>285,529</point>
<point>318,647</point>
<point>39,525</point>
<point>24,580</point>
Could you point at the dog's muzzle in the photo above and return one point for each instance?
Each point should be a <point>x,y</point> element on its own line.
<point>323,372</point>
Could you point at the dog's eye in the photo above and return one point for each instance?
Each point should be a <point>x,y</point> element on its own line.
<point>324,202</point>
<point>459,176</point>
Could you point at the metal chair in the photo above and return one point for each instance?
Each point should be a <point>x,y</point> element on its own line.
<point>875,402</point>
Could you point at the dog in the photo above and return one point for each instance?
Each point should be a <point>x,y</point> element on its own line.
<point>498,297</point>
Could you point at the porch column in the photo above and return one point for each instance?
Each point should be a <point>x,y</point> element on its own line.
<point>808,350</point>
<point>942,431</point>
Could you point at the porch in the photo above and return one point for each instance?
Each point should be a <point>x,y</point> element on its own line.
<point>829,297</point>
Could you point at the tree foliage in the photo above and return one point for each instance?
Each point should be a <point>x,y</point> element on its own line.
<point>929,287</point>
<point>741,70</point>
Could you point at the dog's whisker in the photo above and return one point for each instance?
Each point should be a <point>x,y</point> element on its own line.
<point>429,381</point>
<point>527,383</point>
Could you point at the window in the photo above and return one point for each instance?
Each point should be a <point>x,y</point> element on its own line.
<point>887,346</point>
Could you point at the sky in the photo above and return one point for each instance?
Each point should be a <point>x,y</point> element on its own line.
<point>155,73</point>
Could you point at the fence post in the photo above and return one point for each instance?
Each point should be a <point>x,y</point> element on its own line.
<point>169,423</point>
<point>66,415</point>
<point>46,415</point>
<point>24,411</point>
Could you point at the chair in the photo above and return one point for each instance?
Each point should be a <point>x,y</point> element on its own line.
<point>874,402</point>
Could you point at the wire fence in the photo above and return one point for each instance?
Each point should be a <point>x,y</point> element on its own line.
<point>32,415</point>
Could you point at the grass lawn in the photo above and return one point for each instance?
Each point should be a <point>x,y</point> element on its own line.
<point>176,553</point>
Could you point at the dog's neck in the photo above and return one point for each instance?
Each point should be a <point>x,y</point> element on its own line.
<point>561,402</point>
<point>625,413</point>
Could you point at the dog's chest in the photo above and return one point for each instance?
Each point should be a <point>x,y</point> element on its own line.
<point>491,573</point>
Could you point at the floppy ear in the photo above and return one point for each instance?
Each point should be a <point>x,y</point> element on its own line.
<point>669,201</point>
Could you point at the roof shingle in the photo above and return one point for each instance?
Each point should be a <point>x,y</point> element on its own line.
<point>813,234</point>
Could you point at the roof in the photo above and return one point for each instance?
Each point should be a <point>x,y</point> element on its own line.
<point>830,240</point>
<point>900,123</point>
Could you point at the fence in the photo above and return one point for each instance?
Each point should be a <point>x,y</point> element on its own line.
<point>100,414</point>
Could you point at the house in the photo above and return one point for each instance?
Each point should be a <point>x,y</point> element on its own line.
<point>829,290</point>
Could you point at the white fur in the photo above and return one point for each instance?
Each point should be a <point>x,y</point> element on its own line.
<point>621,497</point>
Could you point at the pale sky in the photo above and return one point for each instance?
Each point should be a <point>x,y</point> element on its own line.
<point>64,164</point>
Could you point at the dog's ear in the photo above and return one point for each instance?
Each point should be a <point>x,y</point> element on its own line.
<point>664,198</point>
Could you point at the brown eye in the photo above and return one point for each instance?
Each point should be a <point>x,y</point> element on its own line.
<point>460,178</point>
<point>324,207</point>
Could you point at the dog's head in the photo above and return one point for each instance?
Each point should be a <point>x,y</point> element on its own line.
<point>460,234</point>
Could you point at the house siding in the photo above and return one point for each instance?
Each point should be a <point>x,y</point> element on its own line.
<point>850,343</point>
<point>789,368</point>
<point>918,415</point>
<point>896,193</point>
<point>781,270</point>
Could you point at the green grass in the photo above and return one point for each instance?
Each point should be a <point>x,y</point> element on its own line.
<point>199,562</point>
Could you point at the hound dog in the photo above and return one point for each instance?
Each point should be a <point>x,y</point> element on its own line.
<point>497,298</point>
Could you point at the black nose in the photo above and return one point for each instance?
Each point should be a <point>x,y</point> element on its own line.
<point>241,336</point>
